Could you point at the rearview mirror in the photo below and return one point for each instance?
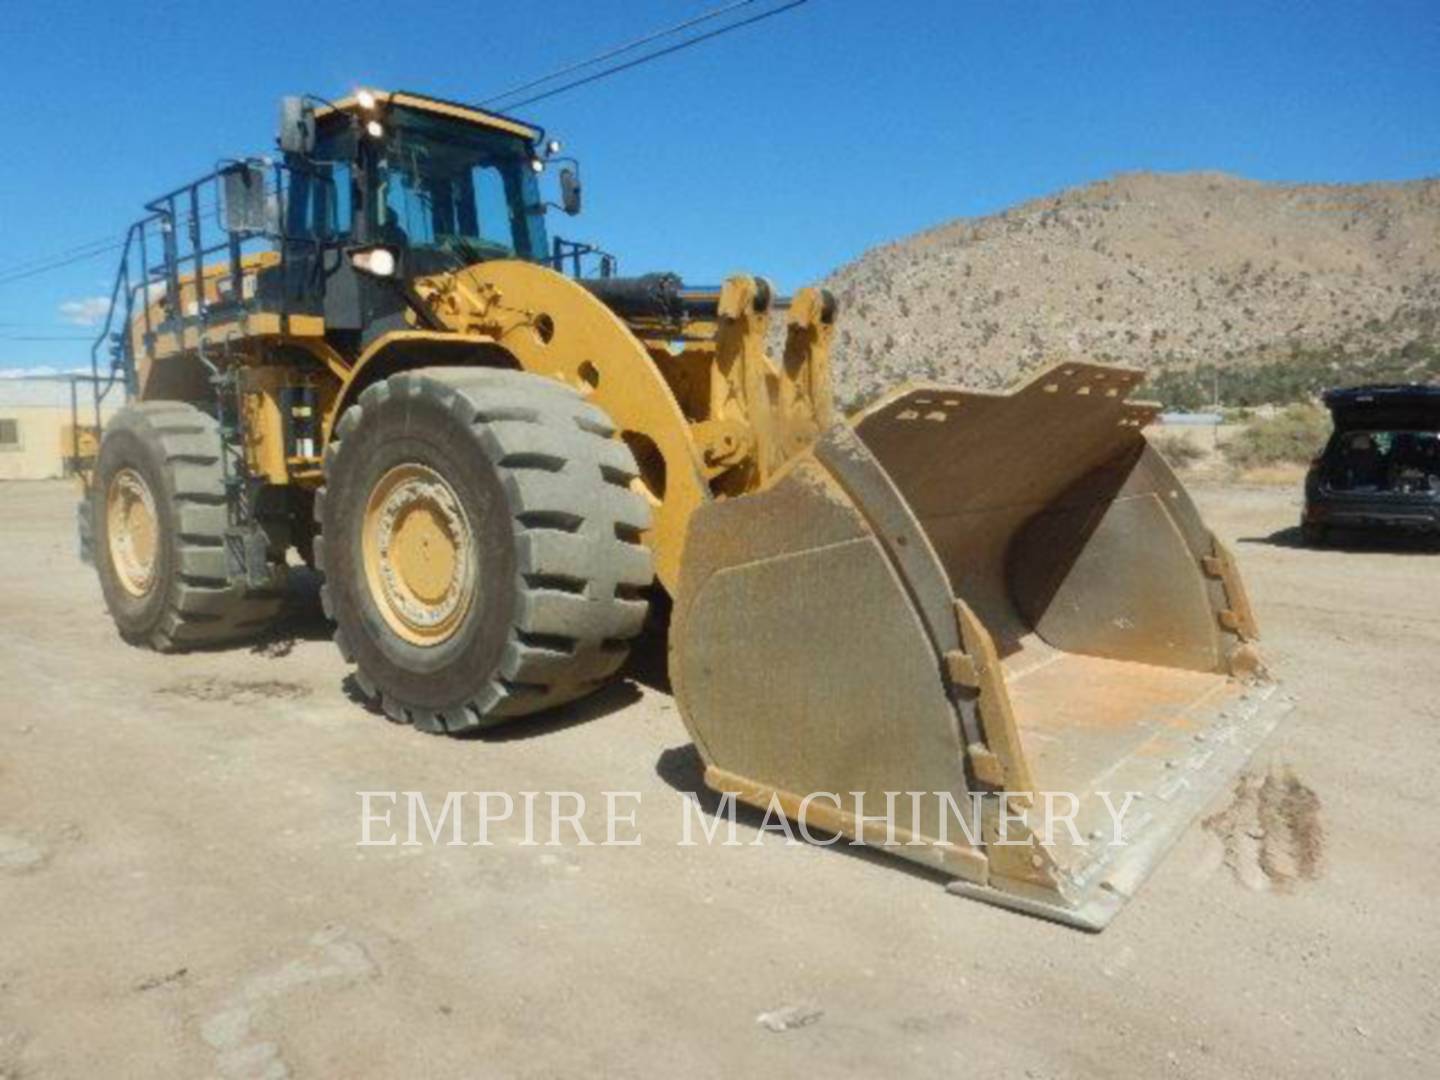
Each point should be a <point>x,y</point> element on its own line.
<point>245,202</point>
<point>297,126</point>
<point>569,191</point>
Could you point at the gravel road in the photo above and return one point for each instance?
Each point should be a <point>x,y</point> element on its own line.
<point>182,894</point>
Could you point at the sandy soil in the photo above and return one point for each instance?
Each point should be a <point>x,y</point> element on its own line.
<point>181,893</point>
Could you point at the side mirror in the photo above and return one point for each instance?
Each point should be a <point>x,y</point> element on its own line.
<point>297,126</point>
<point>246,205</point>
<point>569,191</point>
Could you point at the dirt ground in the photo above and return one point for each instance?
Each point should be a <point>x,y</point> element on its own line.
<point>181,891</point>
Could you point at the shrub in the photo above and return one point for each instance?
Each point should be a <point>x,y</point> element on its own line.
<point>1300,373</point>
<point>1175,448</point>
<point>1292,436</point>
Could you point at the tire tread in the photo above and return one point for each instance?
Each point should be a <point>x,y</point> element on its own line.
<point>581,569</point>
<point>203,608</point>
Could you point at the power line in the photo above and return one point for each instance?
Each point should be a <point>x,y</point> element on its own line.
<point>44,264</point>
<point>56,264</point>
<point>94,249</point>
<point>47,337</point>
<point>713,13</point>
<point>656,54</point>
<point>33,260</point>
<point>80,251</point>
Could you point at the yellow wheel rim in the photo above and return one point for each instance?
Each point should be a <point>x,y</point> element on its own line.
<point>419,555</point>
<point>133,531</point>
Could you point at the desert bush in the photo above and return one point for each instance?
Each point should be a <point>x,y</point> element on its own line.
<point>1298,375</point>
<point>1292,436</point>
<point>1175,448</point>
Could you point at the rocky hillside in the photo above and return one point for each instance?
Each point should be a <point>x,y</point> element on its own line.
<point>1283,287</point>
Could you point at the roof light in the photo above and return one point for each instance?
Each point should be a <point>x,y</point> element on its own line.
<point>552,147</point>
<point>366,99</point>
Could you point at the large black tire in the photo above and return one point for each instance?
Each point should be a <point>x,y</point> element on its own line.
<point>540,486</point>
<point>175,448</point>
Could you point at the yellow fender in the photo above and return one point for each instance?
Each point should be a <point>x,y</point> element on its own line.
<point>551,326</point>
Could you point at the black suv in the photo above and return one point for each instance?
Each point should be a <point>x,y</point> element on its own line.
<point>1381,467</point>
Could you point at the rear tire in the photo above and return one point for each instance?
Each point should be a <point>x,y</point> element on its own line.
<point>481,546</point>
<point>158,516</point>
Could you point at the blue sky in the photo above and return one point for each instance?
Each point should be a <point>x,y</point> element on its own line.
<point>787,149</point>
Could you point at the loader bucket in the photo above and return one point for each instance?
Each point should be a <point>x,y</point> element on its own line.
<point>959,616</point>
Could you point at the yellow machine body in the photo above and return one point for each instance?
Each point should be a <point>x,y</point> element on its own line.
<point>978,597</point>
<point>714,418</point>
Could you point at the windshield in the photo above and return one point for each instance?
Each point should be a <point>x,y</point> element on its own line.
<point>449,184</point>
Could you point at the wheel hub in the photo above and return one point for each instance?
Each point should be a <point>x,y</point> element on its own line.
<point>419,554</point>
<point>131,527</point>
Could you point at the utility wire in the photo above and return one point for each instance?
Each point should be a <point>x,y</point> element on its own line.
<point>78,249</point>
<point>47,337</point>
<point>655,55</point>
<point>618,50</point>
<point>56,264</point>
<point>81,253</point>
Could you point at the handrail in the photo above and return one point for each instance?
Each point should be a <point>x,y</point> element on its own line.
<point>166,216</point>
<point>572,251</point>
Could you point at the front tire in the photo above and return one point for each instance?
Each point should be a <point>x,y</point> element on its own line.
<point>158,516</point>
<point>481,546</point>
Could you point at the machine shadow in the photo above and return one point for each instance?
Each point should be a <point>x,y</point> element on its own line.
<point>649,661</point>
<point>608,700</point>
<point>301,618</point>
<point>611,698</point>
<point>645,667</point>
<point>682,770</point>
<point>1359,541</point>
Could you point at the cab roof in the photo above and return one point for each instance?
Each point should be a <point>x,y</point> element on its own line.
<point>438,106</point>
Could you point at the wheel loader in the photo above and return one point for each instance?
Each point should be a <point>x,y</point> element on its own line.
<point>367,353</point>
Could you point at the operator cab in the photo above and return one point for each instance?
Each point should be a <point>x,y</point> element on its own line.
<point>372,192</point>
<point>440,185</point>
<point>383,188</point>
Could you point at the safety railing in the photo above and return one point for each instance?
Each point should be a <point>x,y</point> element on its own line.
<point>568,255</point>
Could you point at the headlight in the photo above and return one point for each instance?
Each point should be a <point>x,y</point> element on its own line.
<point>375,129</point>
<point>378,261</point>
<point>537,165</point>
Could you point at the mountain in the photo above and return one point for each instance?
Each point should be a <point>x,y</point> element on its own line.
<point>1285,288</point>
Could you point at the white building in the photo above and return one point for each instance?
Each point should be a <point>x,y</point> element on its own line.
<point>37,438</point>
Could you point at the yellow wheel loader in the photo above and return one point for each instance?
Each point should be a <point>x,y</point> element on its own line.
<point>988,632</point>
